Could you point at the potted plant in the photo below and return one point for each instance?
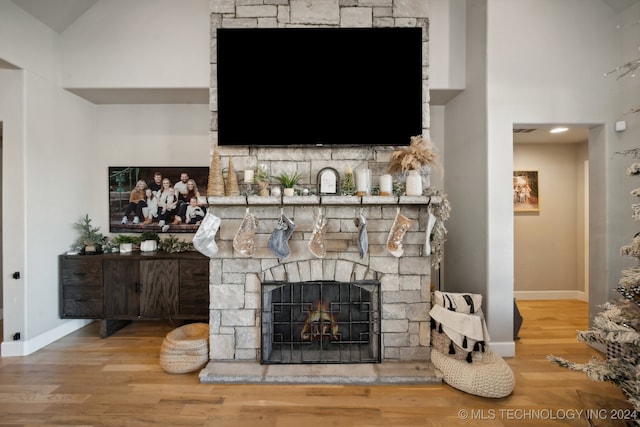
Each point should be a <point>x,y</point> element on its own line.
<point>149,241</point>
<point>288,181</point>
<point>90,240</point>
<point>126,242</point>
<point>263,177</point>
<point>414,160</point>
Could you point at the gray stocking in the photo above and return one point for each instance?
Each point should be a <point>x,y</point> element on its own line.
<point>279,240</point>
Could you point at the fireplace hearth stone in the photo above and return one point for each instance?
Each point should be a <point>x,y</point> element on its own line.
<point>386,373</point>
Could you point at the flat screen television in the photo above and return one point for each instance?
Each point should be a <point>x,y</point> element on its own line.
<point>319,86</point>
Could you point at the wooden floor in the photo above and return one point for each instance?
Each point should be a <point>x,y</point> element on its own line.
<point>84,380</point>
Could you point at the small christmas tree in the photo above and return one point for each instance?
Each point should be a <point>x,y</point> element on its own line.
<point>618,326</point>
<point>348,183</point>
<point>90,240</point>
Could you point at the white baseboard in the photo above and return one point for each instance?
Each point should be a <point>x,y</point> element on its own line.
<point>24,348</point>
<point>550,295</point>
<point>504,349</point>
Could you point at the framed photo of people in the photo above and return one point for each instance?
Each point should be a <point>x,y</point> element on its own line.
<point>526,194</point>
<point>160,199</point>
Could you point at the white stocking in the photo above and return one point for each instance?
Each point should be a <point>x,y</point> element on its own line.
<point>243,241</point>
<point>316,244</point>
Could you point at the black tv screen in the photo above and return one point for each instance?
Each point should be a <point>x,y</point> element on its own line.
<point>319,86</point>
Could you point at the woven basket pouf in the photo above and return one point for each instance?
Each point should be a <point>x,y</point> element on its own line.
<point>185,349</point>
<point>489,377</point>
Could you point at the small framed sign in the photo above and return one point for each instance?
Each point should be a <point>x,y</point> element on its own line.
<point>328,181</point>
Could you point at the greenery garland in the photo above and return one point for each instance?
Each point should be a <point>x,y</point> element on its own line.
<point>441,211</point>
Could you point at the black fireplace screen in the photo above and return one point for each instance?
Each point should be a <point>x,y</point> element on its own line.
<point>320,322</point>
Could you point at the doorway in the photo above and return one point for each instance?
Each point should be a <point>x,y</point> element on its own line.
<point>551,243</point>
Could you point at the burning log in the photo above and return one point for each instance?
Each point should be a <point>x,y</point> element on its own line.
<point>320,324</point>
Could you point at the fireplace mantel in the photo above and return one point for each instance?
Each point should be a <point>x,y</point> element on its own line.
<point>322,200</point>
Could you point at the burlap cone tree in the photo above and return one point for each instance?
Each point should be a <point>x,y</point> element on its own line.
<point>216,180</point>
<point>231,186</point>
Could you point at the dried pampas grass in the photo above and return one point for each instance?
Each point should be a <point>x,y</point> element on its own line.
<point>419,154</point>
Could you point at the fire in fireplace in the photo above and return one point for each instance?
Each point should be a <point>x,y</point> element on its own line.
<point>320,322</point>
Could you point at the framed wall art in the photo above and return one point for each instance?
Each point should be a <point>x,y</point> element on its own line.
<point>328,181</point>
<point>526,195</point>
<point>160,199</point>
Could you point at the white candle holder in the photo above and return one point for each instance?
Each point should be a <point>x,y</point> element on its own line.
<point>363,182</point>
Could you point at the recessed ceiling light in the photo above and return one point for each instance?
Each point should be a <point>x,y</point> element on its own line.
<point>558,130</point>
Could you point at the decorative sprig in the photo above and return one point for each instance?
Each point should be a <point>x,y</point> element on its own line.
<point>419,154</point>
<point>629,67</point>
<point>172,244</point>
<point>634,169</point>
<point>634,152</point>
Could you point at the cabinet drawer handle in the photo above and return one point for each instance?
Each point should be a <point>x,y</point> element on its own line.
<point>138,288</point>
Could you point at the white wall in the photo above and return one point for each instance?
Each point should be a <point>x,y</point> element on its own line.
<point>58,189</point>
<point>447,41</point>
<point>25,42</point>
<point>554,80</point>
<point>138,44</point>
<point>148,135</point>
<point>47,172</point>
<point>537,70</point>
<point>549,244</point>
<point>465,166</point>
<point>12,116</point>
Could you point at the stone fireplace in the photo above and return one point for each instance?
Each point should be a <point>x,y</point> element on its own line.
<point>236,281</point>
<point>405,282</point>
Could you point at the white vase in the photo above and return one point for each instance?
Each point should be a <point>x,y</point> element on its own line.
<point>148,246</point>
<point>288,191</point>
<point>414,184</point>
<point>126,248</point>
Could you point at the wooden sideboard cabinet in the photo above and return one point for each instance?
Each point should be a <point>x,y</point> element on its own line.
<point>119,288</point>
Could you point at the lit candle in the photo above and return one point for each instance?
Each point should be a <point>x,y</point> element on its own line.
<point>248,176</point>
<point>386,185</point>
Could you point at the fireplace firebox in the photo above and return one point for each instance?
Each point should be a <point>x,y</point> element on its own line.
<point>320,322</point>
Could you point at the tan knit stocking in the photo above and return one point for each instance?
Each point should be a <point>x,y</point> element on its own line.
<point>394,241</point>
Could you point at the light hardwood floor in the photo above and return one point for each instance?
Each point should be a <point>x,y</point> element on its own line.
<point>84,380</point>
